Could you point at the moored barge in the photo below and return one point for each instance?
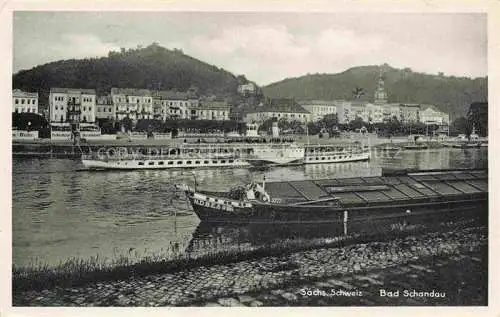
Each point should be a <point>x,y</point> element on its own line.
<point>335,200</point>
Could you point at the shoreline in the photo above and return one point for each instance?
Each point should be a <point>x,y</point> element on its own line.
<point>279,279</point>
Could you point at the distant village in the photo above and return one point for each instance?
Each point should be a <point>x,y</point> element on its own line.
<point>85,110</point>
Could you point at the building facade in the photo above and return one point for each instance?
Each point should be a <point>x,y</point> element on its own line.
<point>278,109</point>
<point>344,111</point>
<point>247,89</point>
<point>431,115</point>
<point>105,108</point>
<point>409,113</point>
<point>319,108</point>
<point>23,101</point>
<point>212,110</point>
<point>374,113</point>
<point>72,105</point>
<point>176,105</point>
<point>132,103</point>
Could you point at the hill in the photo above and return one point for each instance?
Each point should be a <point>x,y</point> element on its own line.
<point>450,94</point>
<point>151,67</point>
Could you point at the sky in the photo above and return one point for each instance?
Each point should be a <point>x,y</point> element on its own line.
<point>264,46</point>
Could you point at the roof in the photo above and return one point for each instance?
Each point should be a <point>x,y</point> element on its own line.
<point>57,90</point>
<point>20,93</point>
<point>385,189</point>
<point>214,104</point>
<point>432,107</point>
<point>280,105</point>
<point>131,92</point>
<point>316,102</point>
<point>174,95</point>
<point>104,100</point>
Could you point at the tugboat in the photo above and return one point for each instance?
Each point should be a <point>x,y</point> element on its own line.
<point>335,200</point>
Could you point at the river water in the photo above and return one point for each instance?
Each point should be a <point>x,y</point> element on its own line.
<point>60,211</point>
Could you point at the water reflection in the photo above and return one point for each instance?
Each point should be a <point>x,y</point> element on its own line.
<point>212,236</point>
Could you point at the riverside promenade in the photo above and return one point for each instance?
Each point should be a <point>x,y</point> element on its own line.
<point>437,268</point>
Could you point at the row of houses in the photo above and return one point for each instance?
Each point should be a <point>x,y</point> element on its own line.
<point>83,105</point>
<point>347,111</point>
<point>132,103</point>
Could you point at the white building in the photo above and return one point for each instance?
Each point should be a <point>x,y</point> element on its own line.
<point>431,115</point>
<point>23,101</point>
<point>105,108</point>
<point>72,105</point>
<point>344,111</point>
<point>374,113</point>
<point>176,105</point>
<point>211,110</point>
<point>132,103</point>
<point>278,109</point>
<point>248,88</point>
<point>319,108</point>
<point>391,110</point>
<point>409,112</point>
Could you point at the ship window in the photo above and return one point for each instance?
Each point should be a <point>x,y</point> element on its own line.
<point>323,158</point>
<point>231,161</point>
<point>214,161</point>
<point>151,163</point>
<point>317,158</point>
<point>179,162</point>
<point>197,162</point>
<point>170,162</point>
<point>223,161</point>
<point>140,163</point>
<point>206,162</point>
<point>188,162</point>
<point>161,163</point>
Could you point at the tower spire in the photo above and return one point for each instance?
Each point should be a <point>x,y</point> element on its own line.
<point>380,93</point>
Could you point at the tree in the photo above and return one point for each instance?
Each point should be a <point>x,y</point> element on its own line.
<point>357,123</point>
<point>266,125</point>
<point>330,121</point>
<point>459,126</point>
<point>477,116</point>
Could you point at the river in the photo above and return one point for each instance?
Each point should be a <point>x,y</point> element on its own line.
<point>60,211</point>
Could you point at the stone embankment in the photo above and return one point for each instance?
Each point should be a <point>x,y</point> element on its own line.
<point>452,262</point>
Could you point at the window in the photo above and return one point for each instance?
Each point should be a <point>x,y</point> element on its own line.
<point>22,101</point>
<point>197,162</point>
<point>206,162</point>
<point>170,163</point>
<point>223,161</point>
<point>231,161</point>
<point>188,162</point>
<point>141,163</point>
<point>214,161</point>
<point>179,162</point>
<point>151,163</point>
<point>161,163</point>
<point>16,101</point>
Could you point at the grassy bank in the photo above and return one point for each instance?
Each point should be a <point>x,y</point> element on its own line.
<point>77,272</point>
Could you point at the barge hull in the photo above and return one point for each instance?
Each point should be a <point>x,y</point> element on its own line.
<point>360,198</point>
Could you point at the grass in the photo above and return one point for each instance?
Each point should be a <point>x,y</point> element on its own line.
<point>75,272</point>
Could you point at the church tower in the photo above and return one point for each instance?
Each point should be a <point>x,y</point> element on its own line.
<point>380,96</point>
